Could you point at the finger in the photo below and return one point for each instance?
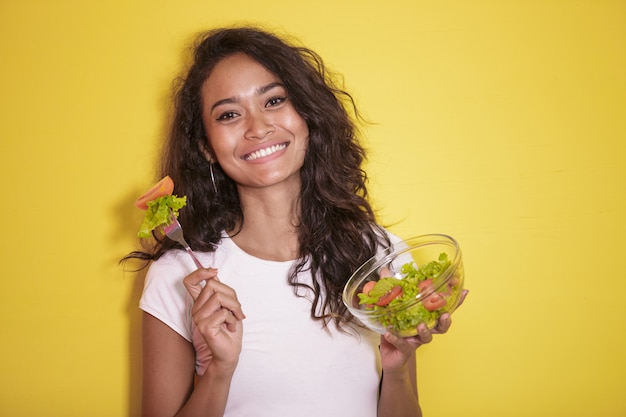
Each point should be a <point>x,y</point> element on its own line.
<point>463,295</point>
<point>398,342</point>
<point>216,322</point>
<point>231,321</point>
<point>406,345</point>
<point>193,282</point>
<point>214,326</point>
<point>384,272</point>
<point>217,295</point>
<point>425,335</point>
<point>444,323</point>
<point>217,300</point>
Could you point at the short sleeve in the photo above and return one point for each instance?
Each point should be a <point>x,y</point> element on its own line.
<point>165,296</point>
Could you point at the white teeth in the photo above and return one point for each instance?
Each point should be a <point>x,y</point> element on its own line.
<point>265,152</point>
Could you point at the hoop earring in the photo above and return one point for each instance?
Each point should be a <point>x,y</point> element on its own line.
<point>212,178</point>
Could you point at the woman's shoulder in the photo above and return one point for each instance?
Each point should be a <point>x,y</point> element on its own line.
<point>172,261</point>
<point>164,294</point>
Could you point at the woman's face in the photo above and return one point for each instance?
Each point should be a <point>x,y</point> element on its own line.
<point>254,131</point>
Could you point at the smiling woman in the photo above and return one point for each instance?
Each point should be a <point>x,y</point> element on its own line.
<point>269,160</point>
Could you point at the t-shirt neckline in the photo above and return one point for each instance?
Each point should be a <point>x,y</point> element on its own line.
<point>227,240</point>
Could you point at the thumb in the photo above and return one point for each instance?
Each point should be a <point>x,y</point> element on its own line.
<point>194,282</point>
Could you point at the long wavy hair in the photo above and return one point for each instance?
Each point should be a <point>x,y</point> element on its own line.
<point>337,230</point>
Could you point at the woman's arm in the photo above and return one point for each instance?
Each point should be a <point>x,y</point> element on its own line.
<point>398,396</point>
<point>168,369</point>
<point>168,376</point>
<point>398,393</point>
<point>169,360</point>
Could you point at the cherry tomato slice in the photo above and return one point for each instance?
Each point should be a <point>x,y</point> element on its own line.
<point>391,295</point>
<point>434,302</point>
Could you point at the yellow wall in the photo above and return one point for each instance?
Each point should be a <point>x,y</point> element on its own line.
<point>502,123</point>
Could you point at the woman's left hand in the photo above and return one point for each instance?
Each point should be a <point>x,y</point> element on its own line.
<point>395,351</point>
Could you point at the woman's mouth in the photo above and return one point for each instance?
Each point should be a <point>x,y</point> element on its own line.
<point>265,152</point>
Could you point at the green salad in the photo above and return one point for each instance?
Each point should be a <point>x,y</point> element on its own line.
<point>382,297</point>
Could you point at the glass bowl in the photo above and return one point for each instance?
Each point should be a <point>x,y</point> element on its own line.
<point>421,279</point>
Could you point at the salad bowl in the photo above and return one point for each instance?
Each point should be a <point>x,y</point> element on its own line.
<point>411,282</point>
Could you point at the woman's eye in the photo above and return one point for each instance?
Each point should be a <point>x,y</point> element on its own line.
<point>275,101</point>
<point>227,116</point>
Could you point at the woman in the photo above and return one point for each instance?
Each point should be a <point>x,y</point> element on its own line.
<point>267,154</point>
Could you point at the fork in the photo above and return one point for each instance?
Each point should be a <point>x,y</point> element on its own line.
<point>175,232</point>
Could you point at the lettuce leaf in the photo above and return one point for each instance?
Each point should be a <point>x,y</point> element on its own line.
<point>158,213</point>
<point>407,319</point>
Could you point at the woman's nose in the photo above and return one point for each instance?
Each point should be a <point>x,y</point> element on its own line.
<point>259,126</point>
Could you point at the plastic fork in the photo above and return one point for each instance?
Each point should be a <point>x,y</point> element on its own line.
<point>175,232</point>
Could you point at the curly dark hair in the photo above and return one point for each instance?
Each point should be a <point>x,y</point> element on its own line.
<point>337,230</point>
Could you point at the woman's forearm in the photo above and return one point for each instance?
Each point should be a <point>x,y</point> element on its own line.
<point>210,394</point>
<point>398,394</point>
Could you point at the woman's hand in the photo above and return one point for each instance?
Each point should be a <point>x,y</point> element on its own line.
<point>217,315</point>
<point>395,351</point>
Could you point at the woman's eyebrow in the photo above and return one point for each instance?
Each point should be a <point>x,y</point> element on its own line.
<point>229,100</point>
<point>264,89</point>
<point>260,91</point>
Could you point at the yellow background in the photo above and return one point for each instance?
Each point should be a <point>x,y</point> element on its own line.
<point>502,123</point>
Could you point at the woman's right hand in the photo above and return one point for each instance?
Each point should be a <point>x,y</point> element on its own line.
<point>218,316</point>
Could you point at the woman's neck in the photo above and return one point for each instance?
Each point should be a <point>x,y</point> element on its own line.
<point>270,227</point>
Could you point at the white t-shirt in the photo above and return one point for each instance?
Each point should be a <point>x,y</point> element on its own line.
<point>289,365</point>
